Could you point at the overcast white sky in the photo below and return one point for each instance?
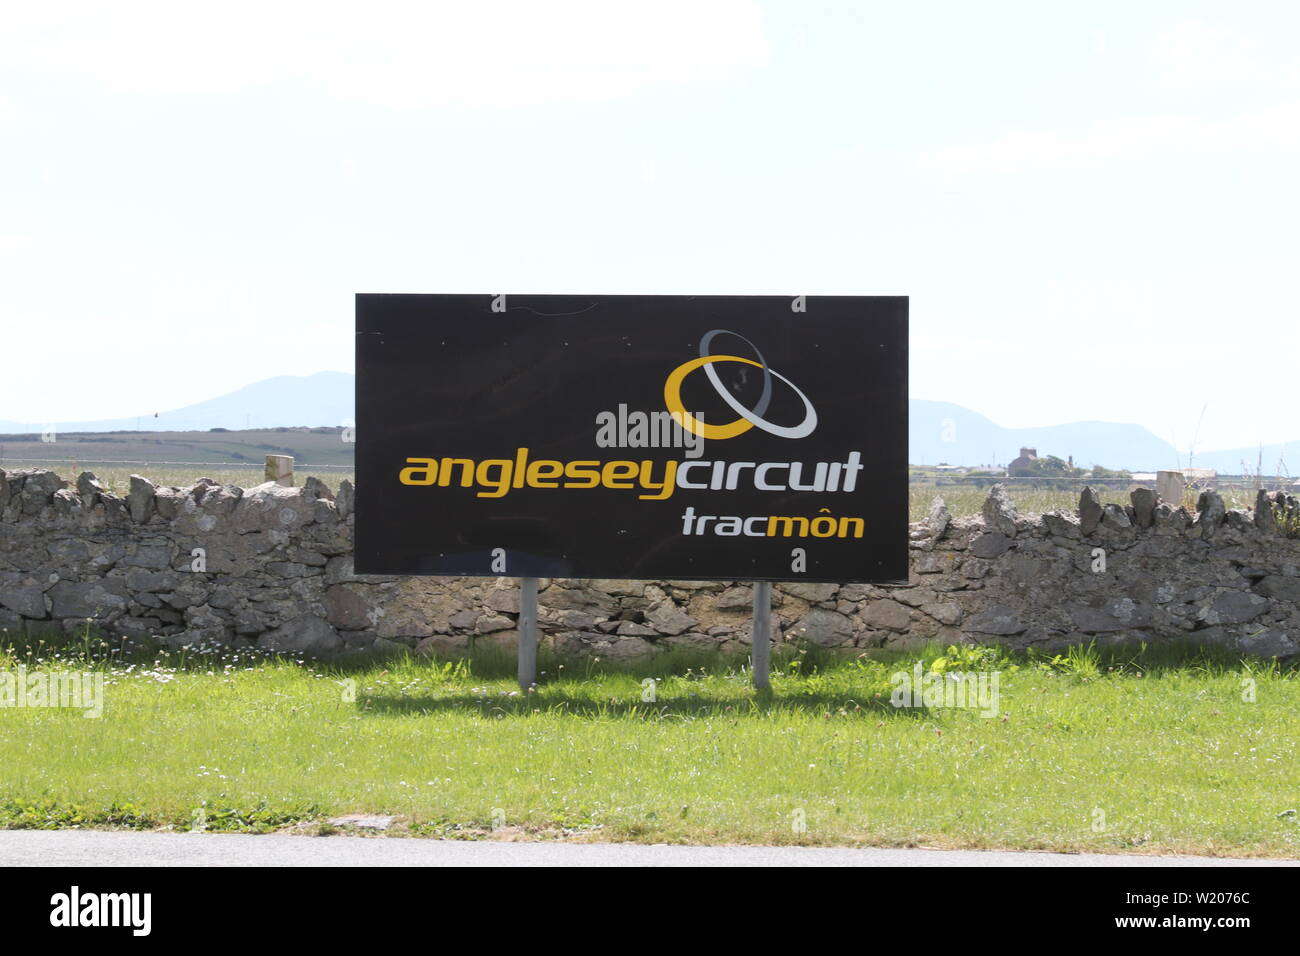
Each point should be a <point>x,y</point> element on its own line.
<point>1093,207</point>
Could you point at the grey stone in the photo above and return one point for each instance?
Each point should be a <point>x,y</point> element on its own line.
<point>345,500</point>
<point>808,591</point>
<point>490,623</point>
<point>1113,615</point>
<point>1090,511</point>
<point>569,618</point>
<point>564,594</point>
<point>148,554</point>
<point>886,614</point>
<point>363,821</point>
<point>990,545</point>
<point>668,618</point>
<point>1265,516</point>
<point>463,619</point>
<point>1210,513</point>
<point>933,563</point>
<point>1270,642</point>
<point>504,600</point>
<point>22,594</point>
<point>306,634</point>
<point>140,499</point>
<point>314,488</point>
<point>38,488</point>
<point>346,607</point>
<point>998,619</point>
<point>998,511</point>
<point>142,579</point>
<point>938,519</point>
<point>618,588</point>
<point>1115,518</point>
<point>823,627</point>
<point>220,501</point>
<point>1236,607</point>
<point>67,503</point>
<point>1061,525</point>
<point>88,599</point>
<point>1281,587</point>
<point>736,598</point>
<point>338,570</point>
<point>1144,506</point>
<point>89,487</point>
<point>1171,520</point>
<point>272,507</point>
<point>188,595</point>
<point>944,612</point>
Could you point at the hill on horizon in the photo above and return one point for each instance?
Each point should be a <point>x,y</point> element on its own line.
<point>320,400</point>
<point>937,431</point>
<point>942,432</point>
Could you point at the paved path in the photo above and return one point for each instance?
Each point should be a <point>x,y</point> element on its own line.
<point>100,848</point>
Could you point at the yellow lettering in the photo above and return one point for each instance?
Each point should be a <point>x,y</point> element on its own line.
<point>499,482</point>
<point>429,470</point>
<point>666,488</point>
<point>542,472</point>
<point>466,472</point>
<point>789,525</point>
<point>618,474</point>
<point>586,471</point>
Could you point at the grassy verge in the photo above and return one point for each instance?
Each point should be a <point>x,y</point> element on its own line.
<point>1131,750</point>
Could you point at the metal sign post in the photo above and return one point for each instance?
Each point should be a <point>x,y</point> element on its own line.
<point>760,660</point>
<point>527,633</point>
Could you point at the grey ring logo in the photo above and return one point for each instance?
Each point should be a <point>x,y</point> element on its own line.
<point>754,415</point>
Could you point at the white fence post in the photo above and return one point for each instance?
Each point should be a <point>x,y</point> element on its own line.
<point>279,468</point>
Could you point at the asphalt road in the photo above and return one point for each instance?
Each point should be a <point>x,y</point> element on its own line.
<point>100,848</point>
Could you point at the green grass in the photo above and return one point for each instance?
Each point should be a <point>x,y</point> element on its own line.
<point>1161,743</point>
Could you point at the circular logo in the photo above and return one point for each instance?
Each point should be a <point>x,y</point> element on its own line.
<point>749,417</point>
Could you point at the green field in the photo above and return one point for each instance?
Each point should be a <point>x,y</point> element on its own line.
<point>140,451</point>
<point>1132,752</point>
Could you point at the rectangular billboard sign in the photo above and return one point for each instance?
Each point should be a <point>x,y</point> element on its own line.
<point>638,436</point>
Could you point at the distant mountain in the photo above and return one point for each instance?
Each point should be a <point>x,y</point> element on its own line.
<point>286,400</point>
<point>937,431</point>
<point>1276,459</point>
<point>943,432</point>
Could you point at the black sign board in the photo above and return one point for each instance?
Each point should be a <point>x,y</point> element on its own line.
<point>692,437</point>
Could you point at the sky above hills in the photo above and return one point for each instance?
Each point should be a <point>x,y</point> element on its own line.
<point>1092,208</point>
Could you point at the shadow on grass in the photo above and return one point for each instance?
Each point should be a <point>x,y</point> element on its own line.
<point>91,647</point>
<point>557,701</point>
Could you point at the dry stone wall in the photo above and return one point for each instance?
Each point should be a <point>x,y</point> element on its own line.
<point>272,566</point>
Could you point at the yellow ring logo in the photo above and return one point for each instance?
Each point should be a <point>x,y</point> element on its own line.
<point>673,399</point>
<point>749,418</point>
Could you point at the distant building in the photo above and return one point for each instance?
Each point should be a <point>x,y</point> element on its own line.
<point>1023,467</point>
